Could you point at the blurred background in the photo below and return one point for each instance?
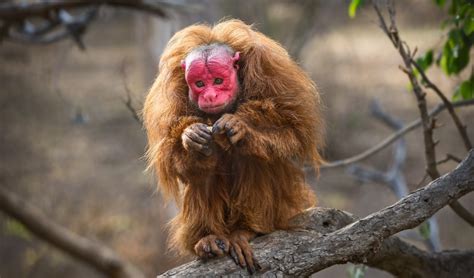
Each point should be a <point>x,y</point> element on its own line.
<point>70,146</point>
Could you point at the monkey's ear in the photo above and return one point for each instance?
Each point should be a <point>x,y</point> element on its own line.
<point>235,59</point>
<point>183,65</point>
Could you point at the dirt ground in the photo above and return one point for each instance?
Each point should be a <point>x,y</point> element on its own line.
<point>71,148</point>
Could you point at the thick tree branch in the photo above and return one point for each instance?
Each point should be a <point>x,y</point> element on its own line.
<point>50,21</point>
<point>314,247</point>
<point>93,253</point>
<point>15,11</point>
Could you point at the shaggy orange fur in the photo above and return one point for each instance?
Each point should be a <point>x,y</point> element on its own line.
<point>258,184</point>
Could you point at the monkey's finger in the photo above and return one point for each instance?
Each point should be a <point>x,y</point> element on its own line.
<point>203,128</point>
<point>248,254</point>
<point>236,137</point>
<point>223,244</point>
<point>204,133</point>
<point>218,126</point>
<point>197,137</point>
<point>200,250</point>
<point>215,249</point>
<point>190,144</point>
<point>233,255</point>
<point>240,255</point>
<point>231,123</point>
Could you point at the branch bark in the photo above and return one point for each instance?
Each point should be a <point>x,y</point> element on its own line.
<point>93,253</point>
<point>325,240</point>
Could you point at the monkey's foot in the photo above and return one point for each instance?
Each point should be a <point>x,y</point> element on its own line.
<point>212,246</point>
<point>241,252</point>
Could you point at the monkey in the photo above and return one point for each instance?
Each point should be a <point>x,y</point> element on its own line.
<point>230,120</point>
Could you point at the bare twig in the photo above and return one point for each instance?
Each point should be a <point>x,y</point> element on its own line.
<point>392,138</point>
<point>459,125</point>
<point>393,177</point>
<point>428,122</point>
<point>449,157</point>
<point>93,253</point>
<point>128,100</point>
<point>313,248</point>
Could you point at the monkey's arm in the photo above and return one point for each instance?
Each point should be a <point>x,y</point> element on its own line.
<point>270,129</point>
<point>173,159</point>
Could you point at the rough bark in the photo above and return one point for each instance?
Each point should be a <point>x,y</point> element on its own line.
<point>326,238</point>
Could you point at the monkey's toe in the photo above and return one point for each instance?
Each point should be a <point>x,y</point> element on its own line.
<point>212,246</point>
<point>242,254</point>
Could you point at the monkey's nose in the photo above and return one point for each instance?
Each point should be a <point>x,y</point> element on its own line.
<point>210,96</point>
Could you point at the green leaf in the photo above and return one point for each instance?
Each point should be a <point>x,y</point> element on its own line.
<point>424,61</point>
<point>455,56</point>
<point>469,22</point>
<point>424,230</point>
<point>464,91</point>
<point>353,6</point>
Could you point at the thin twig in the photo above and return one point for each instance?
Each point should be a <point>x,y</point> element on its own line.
<point>393,177</point>
<point>427,121</point>
<point>128,100</point>
<point>459,125</point>
<point>449,157</point>
<point>392,138</point>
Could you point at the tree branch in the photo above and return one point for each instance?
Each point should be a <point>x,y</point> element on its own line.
<point>313,247</point>
<point>428,122</point>
<point>16,12</point>
<point>457,121</point>
<point>392,138</point>
<point>393,177</point>
<point>93,253</point>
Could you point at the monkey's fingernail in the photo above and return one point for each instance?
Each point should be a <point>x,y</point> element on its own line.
<point>251,269</point>
<point>233,255</point>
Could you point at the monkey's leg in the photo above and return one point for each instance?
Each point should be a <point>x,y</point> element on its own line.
<point>212,246</point>
<point>241,252</point>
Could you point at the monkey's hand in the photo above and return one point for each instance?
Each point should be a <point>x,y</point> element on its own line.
<point>232,125</point>
<point>241,252</point>
<point>197,137</point>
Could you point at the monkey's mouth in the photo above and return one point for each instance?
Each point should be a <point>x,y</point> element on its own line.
<point>214,109</point>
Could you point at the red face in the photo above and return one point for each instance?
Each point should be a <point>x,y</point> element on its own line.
<point>212,80</point>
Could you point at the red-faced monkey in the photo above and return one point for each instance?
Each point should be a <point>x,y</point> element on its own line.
<point>231,119</point>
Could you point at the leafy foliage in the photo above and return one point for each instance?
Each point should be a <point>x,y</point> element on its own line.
<point>465,90</point>
<point>454,56</point>
<point>353,6</point>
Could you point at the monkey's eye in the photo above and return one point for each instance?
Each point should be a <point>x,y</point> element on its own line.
<point>199,84</point>
<point>218,81</point>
